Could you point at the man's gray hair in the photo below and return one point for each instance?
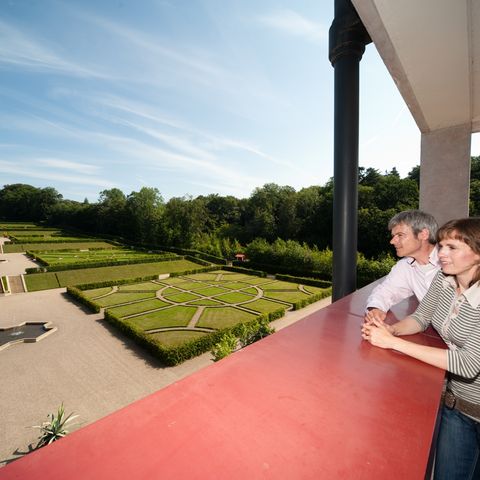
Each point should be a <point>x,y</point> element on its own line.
<point>417,220</point>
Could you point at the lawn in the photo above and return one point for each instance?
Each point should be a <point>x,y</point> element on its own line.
<point>40,232</point>
<point>264,306</point>
<point>43,281</point>
<point>7,226</point>
<point>137,307</point>
<point>23,247</point>
<point>234,297</point>
<point>98,292</point>
<point>75,257</point>
<point>119,298</point>
<point>286,295</point>
<point>223,317</point>
<point>168,317</point>
<point>182,297</point>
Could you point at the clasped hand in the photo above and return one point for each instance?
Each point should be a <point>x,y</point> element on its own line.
<point>377,332</point>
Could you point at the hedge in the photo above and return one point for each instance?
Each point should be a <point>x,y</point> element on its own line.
<point>172,356</point>
<point>314,282</point>
<point>78,295</point>
<point>197,270</point>
<point>195,253</point>
<point>312,299</point>
<point>109,283</point>
<point>248,271</point>
<point>368,271</point>
<point>197,260</point>
<point>276,269</point>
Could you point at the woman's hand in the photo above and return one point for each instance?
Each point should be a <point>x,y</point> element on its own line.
<point>378,334</point>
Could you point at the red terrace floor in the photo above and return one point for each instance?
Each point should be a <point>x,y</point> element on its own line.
<point>312,401</point>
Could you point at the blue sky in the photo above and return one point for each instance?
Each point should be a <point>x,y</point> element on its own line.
<point>189,96</point>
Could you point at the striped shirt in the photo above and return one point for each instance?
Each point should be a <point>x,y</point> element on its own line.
<point>456,318</point>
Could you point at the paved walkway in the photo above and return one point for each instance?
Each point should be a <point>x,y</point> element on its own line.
<point>86,364</point>
<point>14,263</point>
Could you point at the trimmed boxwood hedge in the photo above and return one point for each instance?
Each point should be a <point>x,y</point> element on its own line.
<point>78,295</point>
<point>312,299</point>
<point>314,282</point>
<point>248,271</point>
<point>368,271</point>
<point>196,270</point>
<point>174,355</point>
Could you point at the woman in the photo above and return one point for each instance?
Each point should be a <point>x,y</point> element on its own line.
<point>452,307</point>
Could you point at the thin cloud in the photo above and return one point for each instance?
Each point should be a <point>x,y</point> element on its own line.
<point>293,23</point>
<point>162,159</point>
<point>152,46</point>
<point>14,169</point>
<point>180,142</point>
<point>69,165</point>
<point>18,50</point>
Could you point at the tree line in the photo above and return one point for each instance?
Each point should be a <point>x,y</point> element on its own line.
<point>223,225</point>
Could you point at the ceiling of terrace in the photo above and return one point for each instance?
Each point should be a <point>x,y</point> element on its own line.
<point>432,50</point>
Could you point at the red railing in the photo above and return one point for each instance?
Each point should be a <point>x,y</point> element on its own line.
<point>309,402</point>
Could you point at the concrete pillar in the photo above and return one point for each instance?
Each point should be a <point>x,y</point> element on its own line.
<point>445,172</point>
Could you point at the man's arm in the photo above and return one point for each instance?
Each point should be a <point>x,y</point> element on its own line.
<point>394,288</point>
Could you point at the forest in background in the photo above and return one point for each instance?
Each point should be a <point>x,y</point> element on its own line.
<point>225,225</point>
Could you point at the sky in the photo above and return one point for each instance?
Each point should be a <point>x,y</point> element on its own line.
<point>192,97</point>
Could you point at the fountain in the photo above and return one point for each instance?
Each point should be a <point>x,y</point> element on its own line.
<point>27,332</point>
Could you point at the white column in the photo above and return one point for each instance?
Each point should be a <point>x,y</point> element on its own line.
<point>445,172</point>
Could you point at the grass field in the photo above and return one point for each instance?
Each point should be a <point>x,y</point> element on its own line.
<point>23,247</point>
<point>34,233</point>
<point>6,226</point>
<point>75,257</point>
<point>43,281</point>
<point>210,300</point>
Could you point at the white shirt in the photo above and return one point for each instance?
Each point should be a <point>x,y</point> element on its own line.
<point>406,278</point>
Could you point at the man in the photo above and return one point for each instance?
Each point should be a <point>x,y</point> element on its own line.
<point>413,236</point>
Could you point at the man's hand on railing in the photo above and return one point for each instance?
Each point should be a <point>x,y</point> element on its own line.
<point>374,314</point>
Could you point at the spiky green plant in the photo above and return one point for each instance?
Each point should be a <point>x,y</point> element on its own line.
<point>55,427</point>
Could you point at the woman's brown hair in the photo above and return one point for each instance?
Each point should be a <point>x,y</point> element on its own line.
<point>467,230</point>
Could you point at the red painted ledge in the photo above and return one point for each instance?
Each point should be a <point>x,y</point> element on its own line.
<point>311,401</point>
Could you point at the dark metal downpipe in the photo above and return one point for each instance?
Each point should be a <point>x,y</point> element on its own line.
<point>347,38</point>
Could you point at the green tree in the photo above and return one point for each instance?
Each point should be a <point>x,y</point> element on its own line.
<point>112,212</point>
<point>144,209</point>
<point>24,202</point>
<point>184,221</point>
<point>414,174</point>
